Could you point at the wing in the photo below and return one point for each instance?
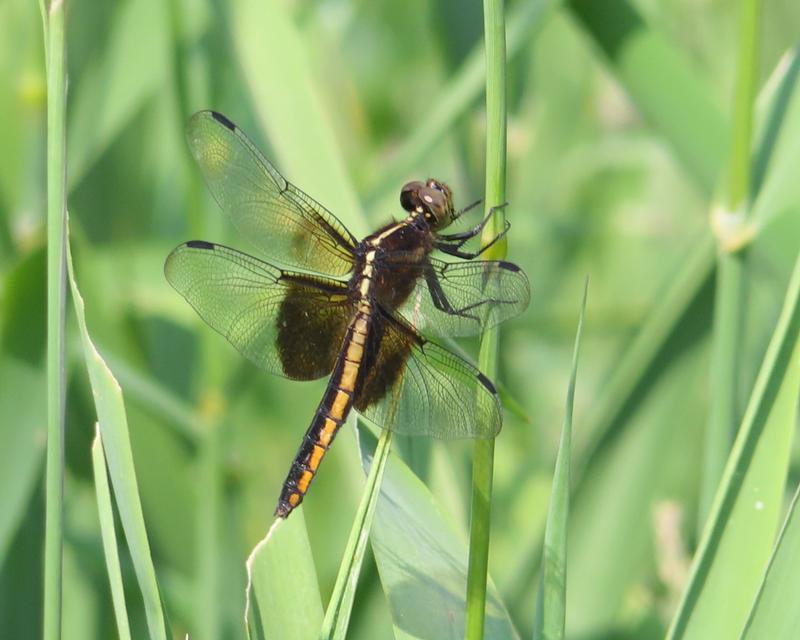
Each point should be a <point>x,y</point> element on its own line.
<point>275,216</point>
<point>462,298</point>
<point>416,387</point>
<point>290,324</point>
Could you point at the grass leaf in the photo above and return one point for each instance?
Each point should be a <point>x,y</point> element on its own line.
<point>551,606</point>
<point>283,599</point>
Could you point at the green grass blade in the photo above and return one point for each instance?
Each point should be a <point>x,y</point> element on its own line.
<point>56,309</point>
<point>738,538</point>
<point>117,448</point>
<point>663,84</point>
<point>283,599</point>
<point>551,605</point>
<point>494,24</point>
<point>340,606</point>
<point>108,531</point>
<point>422,559</point>
<point>775,613</point>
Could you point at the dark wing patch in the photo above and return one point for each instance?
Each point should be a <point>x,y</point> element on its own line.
<point>416,387</point>
<point>463,298</point>
<point>280,220</point>
<point>310,330</point>
<point>287,323</point>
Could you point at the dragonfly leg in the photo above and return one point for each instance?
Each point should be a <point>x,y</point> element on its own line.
<point>451,243</point>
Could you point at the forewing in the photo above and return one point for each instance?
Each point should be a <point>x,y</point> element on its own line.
<point>287,323</point>
<point>463,298</point>
<point>281,221</point>
<point>416,387</point>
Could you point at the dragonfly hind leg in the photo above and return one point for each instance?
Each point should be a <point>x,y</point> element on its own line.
<point>442,303</point>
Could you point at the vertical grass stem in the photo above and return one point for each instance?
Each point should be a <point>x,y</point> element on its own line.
<point>56,304</point>
<point>483,456</point>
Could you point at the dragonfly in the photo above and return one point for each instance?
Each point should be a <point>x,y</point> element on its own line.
<point>364,313</point>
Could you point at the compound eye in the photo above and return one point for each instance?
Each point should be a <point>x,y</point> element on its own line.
<point>409,195</point>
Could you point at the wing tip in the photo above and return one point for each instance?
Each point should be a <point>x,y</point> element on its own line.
<point>223,120</point>
<point>199,244</point>
<point>487,383</point>
<point>509,266</point>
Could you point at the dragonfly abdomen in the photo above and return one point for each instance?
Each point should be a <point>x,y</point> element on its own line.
<point>331,413</point>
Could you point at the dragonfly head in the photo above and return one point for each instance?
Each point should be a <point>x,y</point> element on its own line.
<point>431,200</point>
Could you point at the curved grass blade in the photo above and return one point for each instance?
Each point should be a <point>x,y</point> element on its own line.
<point>340,607</point>
<point>422,559</point>
<point>109,533</point>
<point>740,532</point>
<point>113,426</point>
<point>283,598</point>
<point>775,613</point>
<point>551,604</point>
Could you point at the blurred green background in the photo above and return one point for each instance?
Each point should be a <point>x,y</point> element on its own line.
<point>617,134</point>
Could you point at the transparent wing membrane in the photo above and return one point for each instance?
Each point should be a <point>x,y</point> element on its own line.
<point>281,221</point>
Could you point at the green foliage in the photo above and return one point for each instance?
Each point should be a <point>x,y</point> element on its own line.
<point>617,153</point>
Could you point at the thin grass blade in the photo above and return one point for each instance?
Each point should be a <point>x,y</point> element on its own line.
<point>113,427</point>
<point>739,536</point>
<point>282,599</point>
<point>551,605</point>
<point>109,533</point>
<point>340,607</point>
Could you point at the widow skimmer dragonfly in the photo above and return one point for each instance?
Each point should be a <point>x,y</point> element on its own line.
<point>346,309</point>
